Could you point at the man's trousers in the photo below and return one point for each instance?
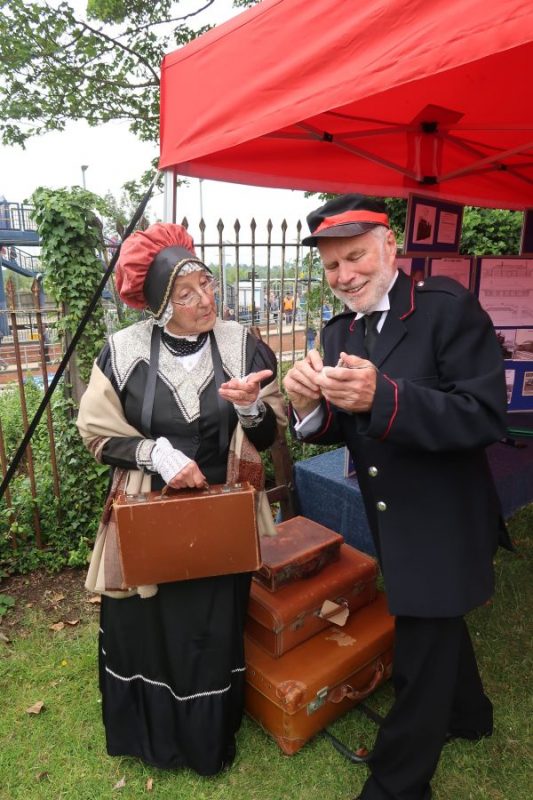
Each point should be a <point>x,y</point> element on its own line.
<point>438,693</point>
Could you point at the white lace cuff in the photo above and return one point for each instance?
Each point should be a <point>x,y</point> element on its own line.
<point>248,411</point>
<point>143,453</point>
<point>167,460</point>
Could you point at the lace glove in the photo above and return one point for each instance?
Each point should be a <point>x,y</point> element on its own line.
<point>167,460</point>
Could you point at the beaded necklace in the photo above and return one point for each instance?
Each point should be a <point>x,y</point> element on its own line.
<point>181,346</point>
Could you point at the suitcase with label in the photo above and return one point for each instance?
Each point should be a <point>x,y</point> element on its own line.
<point>187,533</point>
<point>296,696</point>
<point>301,549</point>
<point>279,621</point>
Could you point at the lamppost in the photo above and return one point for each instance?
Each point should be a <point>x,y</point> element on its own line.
<point>84,168</point>
<point>224,276</point>
<point>200,182</point>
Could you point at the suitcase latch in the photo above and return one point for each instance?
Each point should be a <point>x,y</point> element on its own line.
<point>319,700</point>
<point>298,622</point>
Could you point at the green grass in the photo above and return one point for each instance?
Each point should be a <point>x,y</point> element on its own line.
<point>60,754</point>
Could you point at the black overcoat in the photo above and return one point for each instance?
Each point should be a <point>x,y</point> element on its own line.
<point>419,454</point>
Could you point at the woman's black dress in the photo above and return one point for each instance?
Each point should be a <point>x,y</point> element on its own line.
<point>172,666</point>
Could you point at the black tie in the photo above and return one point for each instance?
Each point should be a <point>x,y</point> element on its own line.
<point>371,330</point>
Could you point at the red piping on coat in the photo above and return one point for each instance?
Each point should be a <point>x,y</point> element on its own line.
<point>291,410</point>
<point>326,425</point>
<point>395,412</point>
<point>412,301</point>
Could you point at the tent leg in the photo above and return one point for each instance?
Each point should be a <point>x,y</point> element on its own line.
<point>169,196</point>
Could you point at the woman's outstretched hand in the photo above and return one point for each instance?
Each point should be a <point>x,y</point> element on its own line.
<point>245,391</point>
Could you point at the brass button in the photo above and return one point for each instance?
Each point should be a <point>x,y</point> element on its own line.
<point>381,506</point>
<point>372,471</point>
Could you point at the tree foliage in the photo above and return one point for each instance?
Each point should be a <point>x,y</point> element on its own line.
<point>71,239</point>
<point>68,522</point>
<point>491,231</point>
<point>57,65</point>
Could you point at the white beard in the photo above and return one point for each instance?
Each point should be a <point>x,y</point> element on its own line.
<point>379,289</point>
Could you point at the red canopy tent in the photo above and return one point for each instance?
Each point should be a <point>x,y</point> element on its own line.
<point>386,97</point>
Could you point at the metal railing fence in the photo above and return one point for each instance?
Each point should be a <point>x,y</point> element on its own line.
<point>268,280</point>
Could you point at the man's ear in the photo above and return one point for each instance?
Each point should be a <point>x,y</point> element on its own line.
<point>390,244</point>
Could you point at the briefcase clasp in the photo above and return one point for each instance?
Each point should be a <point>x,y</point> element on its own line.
<point>318,701</point>
<point>141,497</point>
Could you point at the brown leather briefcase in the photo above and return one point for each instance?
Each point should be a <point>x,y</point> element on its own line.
<point>187,534</point>
<point>301,549</point>
<point>279,621</point>
<point>296,696</point>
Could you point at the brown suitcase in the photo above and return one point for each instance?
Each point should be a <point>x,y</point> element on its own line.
<point>301,549</point>
<point>296,696</point>
<point>278,621</point>
<point>187,534</point>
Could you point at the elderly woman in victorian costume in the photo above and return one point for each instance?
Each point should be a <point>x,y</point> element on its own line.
<point>165,397</point>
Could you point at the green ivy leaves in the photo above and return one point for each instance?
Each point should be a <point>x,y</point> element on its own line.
<point>71,240</point>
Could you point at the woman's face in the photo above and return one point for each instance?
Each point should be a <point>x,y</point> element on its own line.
<point>193,304</point>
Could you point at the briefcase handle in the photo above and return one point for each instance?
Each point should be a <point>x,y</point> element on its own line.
<point>216,489</point>
<point>341,604</point>
<point>340,692</point>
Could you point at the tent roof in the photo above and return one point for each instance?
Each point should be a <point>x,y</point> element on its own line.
<point>390,97</point>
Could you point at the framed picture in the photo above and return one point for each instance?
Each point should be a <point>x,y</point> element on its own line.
<point>527,386</point>
<point>523,349</point>
<point>507,341</point>
<point>519,382</point>
<point>460,269</point>
<point>509,381</point>
<point>433,226</point>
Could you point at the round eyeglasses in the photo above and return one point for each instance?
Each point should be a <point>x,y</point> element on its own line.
<point>192,298</point>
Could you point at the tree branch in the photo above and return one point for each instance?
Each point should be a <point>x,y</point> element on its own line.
<point>168,21</point>
<point>124,47</point>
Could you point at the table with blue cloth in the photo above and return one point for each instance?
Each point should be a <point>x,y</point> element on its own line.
<point>327,497</point>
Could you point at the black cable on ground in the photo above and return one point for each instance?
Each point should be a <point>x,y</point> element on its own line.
<point>351,755</point>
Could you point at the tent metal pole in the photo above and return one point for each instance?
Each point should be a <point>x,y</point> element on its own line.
<point>484,161</point>
<point>169,196</point>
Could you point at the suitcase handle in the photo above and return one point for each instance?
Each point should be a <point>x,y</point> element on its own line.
<point>340,692</point>
<point>339,602</point>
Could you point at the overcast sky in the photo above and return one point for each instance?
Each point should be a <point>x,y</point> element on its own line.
<point>113,156</point>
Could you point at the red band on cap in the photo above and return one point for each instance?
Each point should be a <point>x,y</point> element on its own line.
<point>352,216</point>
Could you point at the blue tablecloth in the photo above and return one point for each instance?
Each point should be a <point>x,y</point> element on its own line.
<point>329,498</point>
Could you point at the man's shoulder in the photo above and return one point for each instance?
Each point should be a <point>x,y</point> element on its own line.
<point>339,319</point>
<point>440,284</point>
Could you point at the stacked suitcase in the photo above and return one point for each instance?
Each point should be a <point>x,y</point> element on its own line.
<point>303,668</point>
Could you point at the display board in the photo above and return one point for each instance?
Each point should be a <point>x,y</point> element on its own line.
<point>504,287</point>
